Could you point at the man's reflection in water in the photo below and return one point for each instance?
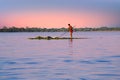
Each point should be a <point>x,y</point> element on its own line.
<point>71,46</point>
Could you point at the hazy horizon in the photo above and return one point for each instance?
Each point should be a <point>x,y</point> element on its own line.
<point>58,13</point>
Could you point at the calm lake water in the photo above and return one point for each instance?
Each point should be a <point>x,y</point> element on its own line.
<point>95,58</point>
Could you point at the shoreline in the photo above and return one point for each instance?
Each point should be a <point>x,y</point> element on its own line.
<point>58,31</point>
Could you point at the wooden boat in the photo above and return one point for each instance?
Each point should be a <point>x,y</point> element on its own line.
<point>53,38</point>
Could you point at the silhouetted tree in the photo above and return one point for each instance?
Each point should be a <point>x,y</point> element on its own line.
<point>27,29</point>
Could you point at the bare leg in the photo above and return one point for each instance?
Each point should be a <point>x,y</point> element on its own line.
<point>71,35</point>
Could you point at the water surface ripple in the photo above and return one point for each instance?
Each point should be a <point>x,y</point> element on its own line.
<point>96,58</point>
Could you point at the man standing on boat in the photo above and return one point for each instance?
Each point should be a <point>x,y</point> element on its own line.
<point>70,30</point>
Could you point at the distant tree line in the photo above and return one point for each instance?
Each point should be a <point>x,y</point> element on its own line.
<point>27,29</point>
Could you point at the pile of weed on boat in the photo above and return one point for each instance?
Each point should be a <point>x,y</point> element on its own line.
<point>53,38</point>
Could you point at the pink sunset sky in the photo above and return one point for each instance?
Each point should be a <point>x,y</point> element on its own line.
<point>50,15</point>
